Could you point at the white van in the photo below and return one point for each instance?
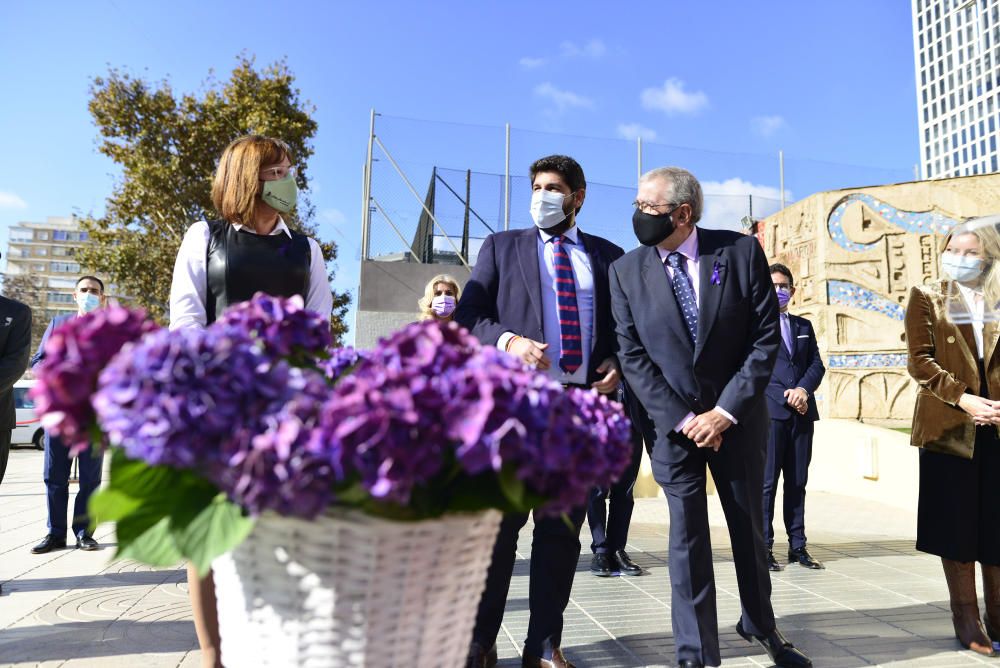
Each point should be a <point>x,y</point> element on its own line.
<point>27,431</point>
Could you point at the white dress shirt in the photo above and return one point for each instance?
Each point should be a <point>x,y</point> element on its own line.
<point>689,249</point>
<point>189,288</point>
<point>974,300</point>
<point>583,277</point>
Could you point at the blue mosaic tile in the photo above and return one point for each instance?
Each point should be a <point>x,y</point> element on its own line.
<point>870,361</point>
<point>845,293</point>
<point>922,222</point>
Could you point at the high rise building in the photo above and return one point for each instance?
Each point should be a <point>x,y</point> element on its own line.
<point>956,50</point>
<point>44,252</point>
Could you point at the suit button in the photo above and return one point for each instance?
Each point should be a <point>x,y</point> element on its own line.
<point>951,339</point>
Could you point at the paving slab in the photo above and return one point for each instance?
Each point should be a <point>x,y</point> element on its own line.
<point>878,603</point>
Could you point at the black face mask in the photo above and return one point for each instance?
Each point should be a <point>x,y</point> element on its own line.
<point>651,229</point>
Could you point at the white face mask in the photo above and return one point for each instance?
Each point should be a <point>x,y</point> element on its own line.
<point>961,269</point>
<point>547,208</point>
<point>87,302</point>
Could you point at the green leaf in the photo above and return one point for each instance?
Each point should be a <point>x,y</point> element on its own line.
<point>110,505</point>
<point>154,546</point>
<point>512,487</point>
<point>217,529</point>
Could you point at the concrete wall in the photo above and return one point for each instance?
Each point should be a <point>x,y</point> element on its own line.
<point>388,294</point>
<point>849,458</point>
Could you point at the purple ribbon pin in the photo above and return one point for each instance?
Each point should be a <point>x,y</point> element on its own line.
<point>716,279</point>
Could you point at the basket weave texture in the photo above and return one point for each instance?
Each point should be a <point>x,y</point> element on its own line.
<point>348,589</point>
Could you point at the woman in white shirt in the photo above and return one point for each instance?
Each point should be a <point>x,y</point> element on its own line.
<point>227,261</point>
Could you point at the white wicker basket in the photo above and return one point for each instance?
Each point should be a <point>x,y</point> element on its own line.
<point>350,590</point>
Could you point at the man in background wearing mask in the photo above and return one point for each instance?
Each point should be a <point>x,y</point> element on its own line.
<point>792,405</point>
<point>89,295</point>
<point>697,323</point>
<point>541,294</point>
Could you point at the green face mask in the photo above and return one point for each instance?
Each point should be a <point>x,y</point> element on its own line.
<point>280,194</point>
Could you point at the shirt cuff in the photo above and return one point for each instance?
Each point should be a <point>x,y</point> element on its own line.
<point>504,340</point>
<point>684,420</point>
<point>725,413</point>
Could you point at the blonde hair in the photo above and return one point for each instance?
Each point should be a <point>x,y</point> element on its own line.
<point>984,229</point>
<point>425,302</point>
<point>237,178</point>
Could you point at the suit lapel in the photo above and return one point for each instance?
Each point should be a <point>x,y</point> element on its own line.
<point>654,274</point>
<point>602,297</point>
<point>527,256</point>
<point>711,282</point>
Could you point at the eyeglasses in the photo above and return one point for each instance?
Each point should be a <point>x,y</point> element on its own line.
<point>648,207</point>
<point>275,173</point>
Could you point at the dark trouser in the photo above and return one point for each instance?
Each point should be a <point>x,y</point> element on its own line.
<point>737,469</point>
<point>555,551</point>
<point>5,435</point>
<point>609,526</point>
<point>789,451</point>
<point>57,468</point>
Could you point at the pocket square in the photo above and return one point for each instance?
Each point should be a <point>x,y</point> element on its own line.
<point>802,336</point>
<point>8,321</point>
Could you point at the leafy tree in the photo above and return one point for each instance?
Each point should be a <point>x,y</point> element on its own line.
<point>167,146</point>
<point>29,290</point>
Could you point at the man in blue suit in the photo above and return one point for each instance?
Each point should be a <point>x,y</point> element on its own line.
<point>89,295</point>
<point>541,294</point>
<point>697,324</point>
<point>791,402</point>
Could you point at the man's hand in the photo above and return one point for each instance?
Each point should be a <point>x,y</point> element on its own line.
<point>612,376</point>
<point>706,429</point>
<point>798,399</point>
<point>530,352</point>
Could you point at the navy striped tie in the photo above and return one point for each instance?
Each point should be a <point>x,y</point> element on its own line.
<point>684,292</point>
<point>569,314</point>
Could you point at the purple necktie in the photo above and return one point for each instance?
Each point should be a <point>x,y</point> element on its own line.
<point>786,332</point>
<point>569,314</point>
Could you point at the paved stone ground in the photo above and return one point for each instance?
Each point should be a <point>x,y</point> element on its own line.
<point>879,603</point>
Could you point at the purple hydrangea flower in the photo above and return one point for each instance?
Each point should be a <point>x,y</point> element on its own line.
<point>75,353</point>
<point>340,361</point>
<point>178,397</point>
<point>283,326</point>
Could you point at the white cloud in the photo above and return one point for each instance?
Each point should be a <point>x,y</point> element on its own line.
<point>671,98</point>
<point>562,99</point>
<point>634,130</point>
<point>728,201</point>
<point>531,63</point>
<point>765,126</point>
<point>594,49</point>
<point>9,200</point>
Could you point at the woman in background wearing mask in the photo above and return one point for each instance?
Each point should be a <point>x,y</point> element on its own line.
<point>440,297</point>
<point>223,262</point>
<point>951,335</point>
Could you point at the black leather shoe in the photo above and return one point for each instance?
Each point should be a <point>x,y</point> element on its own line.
<point>782,652</point>
<point>802,556</point>
<point>603,566</point>
<point>86,542</point>
<point>48,544</point>
<point>480,657</point>
<point>625,565</point>
<point>690,663</point>
<point>772,563</point>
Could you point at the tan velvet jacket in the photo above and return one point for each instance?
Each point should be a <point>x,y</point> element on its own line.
<point>944,362</point>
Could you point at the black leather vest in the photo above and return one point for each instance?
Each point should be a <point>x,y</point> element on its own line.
<point>241,263</point>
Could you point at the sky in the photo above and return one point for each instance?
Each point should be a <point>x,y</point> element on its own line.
<point>717,87</point>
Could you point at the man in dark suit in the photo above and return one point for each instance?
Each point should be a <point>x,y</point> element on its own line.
<point>798,371</point>
<point>697,323</point>
<point>15,349</point>
<point>541,294</point>
<point>89,295</point>
<point>609,510</point>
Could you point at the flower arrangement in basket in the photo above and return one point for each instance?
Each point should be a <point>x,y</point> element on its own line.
<point>256,413</point>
